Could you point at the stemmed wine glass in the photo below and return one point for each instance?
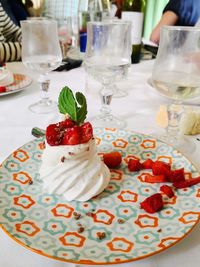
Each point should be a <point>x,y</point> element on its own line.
<point>176,74</point>
<point>41,52</point>
<point>107,59</point>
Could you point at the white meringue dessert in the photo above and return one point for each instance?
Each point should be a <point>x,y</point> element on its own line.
<point>76,172</point>
<point>70,165</point>
<point>6,77</point>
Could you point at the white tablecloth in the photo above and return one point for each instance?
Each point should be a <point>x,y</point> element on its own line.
<point>139,108</point>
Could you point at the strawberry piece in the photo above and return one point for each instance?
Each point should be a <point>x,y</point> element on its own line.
<point>167,190</point>
<point>72,136</point>
<point>161,168</point>
<point>187,183</point>
<point>2,89</point>
<point>155,178</point>
<point>68,123</point>
<point>153,203</point>
<point>54,135</point>
<point>176,175</point>
<point>147,164</point>
<point>112,159</point>
<point>134,165</point>
<point>86,132</point>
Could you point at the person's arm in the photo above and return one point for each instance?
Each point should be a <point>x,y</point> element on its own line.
<point>168,18</point>
<point>10,38</point>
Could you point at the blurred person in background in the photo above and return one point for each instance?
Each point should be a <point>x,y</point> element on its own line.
<point>16,10</point>
<point>177,12</point>
<point>10,38</point>
<point>60,8</point>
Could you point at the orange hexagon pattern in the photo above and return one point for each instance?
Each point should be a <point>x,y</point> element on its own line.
<point>72,239</point>
<point>62,210</point>
<point>116,175</point>
<point>148,143</point>
<point>28,228</point>
<point>128,196</point>
<point>120,143</point>
<point>21,177</point>
<point>103,216</point>
<point>190,217</point>
<point>117,245</point>
<point>24,201</point>
<point>146,220</point>
<point>21,155</point>
<point>165,242</point>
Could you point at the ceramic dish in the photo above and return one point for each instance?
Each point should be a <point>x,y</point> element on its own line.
<point>21,81</point>
<point>46,223</point>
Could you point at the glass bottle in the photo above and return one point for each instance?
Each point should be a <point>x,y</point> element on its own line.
<point>90,10</point>
<point>133,10</point>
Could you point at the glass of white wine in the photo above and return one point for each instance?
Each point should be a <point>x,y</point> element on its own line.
<point>107,59</point>
<point>41,52</point>
<point>176,74</point>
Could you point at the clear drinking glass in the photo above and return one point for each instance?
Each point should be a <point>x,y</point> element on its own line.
<point>107,59</point>
<point>176,74</point>
<point>41,53</point>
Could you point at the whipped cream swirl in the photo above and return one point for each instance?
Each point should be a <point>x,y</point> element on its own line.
<point>75,172</point>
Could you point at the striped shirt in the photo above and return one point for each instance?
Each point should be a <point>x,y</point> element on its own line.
<point>10,38</point>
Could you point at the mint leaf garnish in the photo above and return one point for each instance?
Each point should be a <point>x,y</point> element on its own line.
<point>75,107</point>
<point>82,109</point>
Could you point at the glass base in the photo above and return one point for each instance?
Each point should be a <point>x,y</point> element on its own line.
<point>43,107</point>
<point>181,143</point>
<point>108,122</point>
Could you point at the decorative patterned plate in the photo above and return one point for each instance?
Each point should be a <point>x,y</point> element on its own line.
<point>46,223</point>
<point>20,82</point>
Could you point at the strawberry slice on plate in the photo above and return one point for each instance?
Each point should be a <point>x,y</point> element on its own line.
<point>161,168</point>
<point>155,178</point>
<point>134,165</point>
<point>153,203</point>
<point>147,164</point>
<point>112,159</point>
<point>167,190</point>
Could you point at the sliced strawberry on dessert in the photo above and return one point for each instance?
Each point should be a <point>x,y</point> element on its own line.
<point>147,164</point>
<point>187,183</point>
<point>86,132</point>
<point>167,190</point>
<point>72,136</point>
<point>176,175</point>
<point>155,178</point>
<point>134,165</point>
<point>153,203</point>
<point>67,123</point>
<point>54,135</point>
<point>2,89</point>
<point>161,168</point>
<point>112,159</point>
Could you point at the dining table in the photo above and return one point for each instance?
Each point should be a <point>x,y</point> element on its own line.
<point>138,107</point>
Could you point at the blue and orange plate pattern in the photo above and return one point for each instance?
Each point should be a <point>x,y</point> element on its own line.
<point>46,223</point>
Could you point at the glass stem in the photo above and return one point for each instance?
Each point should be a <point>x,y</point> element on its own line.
<point>106,94</point>
<point>44,86</point>
<point>174,115</point>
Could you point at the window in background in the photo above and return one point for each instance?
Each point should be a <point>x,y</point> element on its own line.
<point>154,9</point>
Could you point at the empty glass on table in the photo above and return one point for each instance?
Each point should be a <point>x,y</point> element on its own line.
<point>107,59</point>
<point>41,53</point>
